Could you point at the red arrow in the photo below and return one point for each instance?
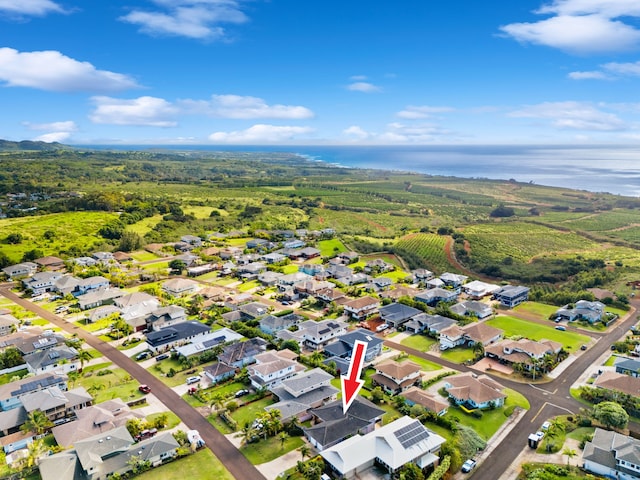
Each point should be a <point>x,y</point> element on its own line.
<point>351,383</point>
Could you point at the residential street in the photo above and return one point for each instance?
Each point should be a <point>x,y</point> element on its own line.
<point>224,450</point>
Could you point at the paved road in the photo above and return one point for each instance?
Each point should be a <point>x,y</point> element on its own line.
<point>546,400</point>
<point>228,454</point>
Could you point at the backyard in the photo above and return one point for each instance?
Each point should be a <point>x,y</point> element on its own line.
<point>534,331</point>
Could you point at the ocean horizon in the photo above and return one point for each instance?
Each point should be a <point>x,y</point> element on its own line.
<point>611,169</point>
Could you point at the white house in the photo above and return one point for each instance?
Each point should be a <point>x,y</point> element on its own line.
<point>612,455</point>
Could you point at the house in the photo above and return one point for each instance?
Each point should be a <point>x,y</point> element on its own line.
<point>273,257</point>
<point>628,366</point>
<point>402,441</point>
<point>59,359</point>
<point>399,291</point>
<point>378,266</point>
<point>338,271</point>
<point>618,382</point>
<point>353,278</point>
<point>269,279</point>
<point>178,334</point>
<point>312,269</point>
<point>106,454</point>
<point>396,377</point>
<point>86,261</point>
<point>294,244</point>
<point>291,279</point>
<point>218,372</point>
<point>302,392</point>
<point>11,393</point>
<point>41,282</point>
<point>343,346</point>
<point>481,333</point>
<point>122,257</point>
<point>472,308</point>
<point>179,287</point>
<point>522,351</point>
<point>50,263</point>
<point>8,323</point>
<point>612,455</point>
<point>436,295</point>
<point>397,314</point>
<point>434,283</point>
<point>202,269</point>
<point>30,344</point>
<point>476,289</point>
<point>510,296</point>
<point>330,425</point>
<point>272,324</point>
<point>471,392</point>
<point>253,310</point>
<point>20,270</point>
<point>379,284</point>
<point>103,257</point>
<point>421,275</point>
<point>252,270</point>
<point>417,396</point>
<point>90,284</point>
<point>165,317</point>
<point>453,280</point>
<point>256,243</point>
<point>432,324</point>
<point>329,295</point>
<point>100,297</point>
<point>361,307</point>
<point>208,342</point>
<point>452,337</point>
<point>189,259</point>
<point>135,305</point>
<point>66,284</point>
<point>94,420</point>
<point>272,368</point>
<point>309,252</point>
<point>242,353</point>
<point>316,335</point>
<point>191,240</point>
<point>592,312</point>
<point>348,257</point>
<point>311,287</point>
<point>55,403</point>
<point>15,442</point>
<point>101,312</point>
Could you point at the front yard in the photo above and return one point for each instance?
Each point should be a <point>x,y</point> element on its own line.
<point>202,465</point>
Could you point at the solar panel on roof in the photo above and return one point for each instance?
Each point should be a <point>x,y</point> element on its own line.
<point>324,330</point>
<point>411,435</point>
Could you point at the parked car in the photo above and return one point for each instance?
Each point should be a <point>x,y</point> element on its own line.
<point>162,356</point>
<point>61,309</point>
<point>468,465</point>
<point>545,426</point>
<point>144,388</point>
<point>194,379</point>
<point>561,327</point>
<point>583,347</point>
<point>382,327</point>
<point>143,355</point>
<point>242,393</point>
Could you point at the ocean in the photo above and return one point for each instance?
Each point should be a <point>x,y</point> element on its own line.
<point>612,169</point>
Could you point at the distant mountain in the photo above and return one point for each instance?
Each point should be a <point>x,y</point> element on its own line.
<point>6,145</point>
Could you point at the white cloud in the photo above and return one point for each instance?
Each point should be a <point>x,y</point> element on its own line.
<point>67,126</point>
<point>356,132</point>
<point>30,7</point>
<point>364,87</point>
<point>607,8</point>
<point>244,107</point>
<point>54,137</point>
<point>592,75</point>
<point>358,78</point>
<point>572,115</point>
<point>51,70</point>
<point>199,19</point>
<point>578,34</point>
<point>413,112</point>
<point>629,69</point>
<point>260,133</point>
<point>146,111</point>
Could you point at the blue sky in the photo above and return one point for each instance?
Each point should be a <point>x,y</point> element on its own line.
<point>320,72</point>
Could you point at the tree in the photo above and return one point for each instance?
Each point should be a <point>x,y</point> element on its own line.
<point>411,471</point>
<point>217,400</point>
<point>377,395</point>
<point>305,451</point>
<point>569,453</point>
<point>283,438</point>
<point>611,415</point>
<point>129,241</point>
<point>31,255</point>
<point>37,422</point>
<point>177,265</point>
<point>14,238</point>
<point>83,356</point>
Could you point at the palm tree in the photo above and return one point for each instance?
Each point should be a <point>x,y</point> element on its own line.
<point>246,433</point>
<point>283,438</point>
<point>535,362</point>
<point>569,453</point>
<point>316,358</point>
<point>217,401</point>
<point>37,422</point>
<point>305,451</point>
<point>83,356</point>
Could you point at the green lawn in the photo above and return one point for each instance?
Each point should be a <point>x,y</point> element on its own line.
<point>270,449</point>
<point>8,377</point>
<point>95,326</point>
<point>116,383</point>
<point>330,248</point>
<point>396,275</point>
<point>516,327</point>
<point>541,309</point>
<point>419,342</point>
<point>610,361</point>
<point>143,256</point>
<point>426,365</point>
<point>172,419</point>
<point>291,268</point>
<point>248,413</point>
<point>202,465</point>
<point>249,285</point>
<point>458,354</point>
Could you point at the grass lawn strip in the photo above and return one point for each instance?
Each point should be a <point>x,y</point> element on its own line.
<point>202,465</point>
<point>266,450</point>
<point>517,327</point>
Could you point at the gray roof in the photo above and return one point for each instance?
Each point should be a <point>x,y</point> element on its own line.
<point>49,357</point>
<point>397,312</point>
<point>12,418</point>
<point>302,382</point>
<point>607,446</point>
<point>30,384</point>
<point>44,399</point>
<point>175,333</point>
<point>92,450</point>
<point>62,466</point>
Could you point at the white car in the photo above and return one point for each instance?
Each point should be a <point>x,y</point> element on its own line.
<point>192,380</point>
<point>468,465</point>
<point>381,328</point>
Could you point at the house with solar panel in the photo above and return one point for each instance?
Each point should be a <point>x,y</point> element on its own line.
<point>390,447</point>
<point>208,342</point>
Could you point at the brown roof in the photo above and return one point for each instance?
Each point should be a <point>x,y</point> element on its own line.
<point>428,401</point>
<point>122,256</point>
<point>398,370</point>
<point>481,332</point>
<point>48,261</point>
<point>389,383</point>
<point>480,390</point>
<point>620,382</point>
<point>362,302</point>
<point>399,291</point>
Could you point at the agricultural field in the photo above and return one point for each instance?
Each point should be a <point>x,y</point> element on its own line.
<point>54,233</point>
<point>429,247</point>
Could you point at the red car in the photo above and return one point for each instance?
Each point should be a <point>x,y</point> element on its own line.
<point>144,388</point>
